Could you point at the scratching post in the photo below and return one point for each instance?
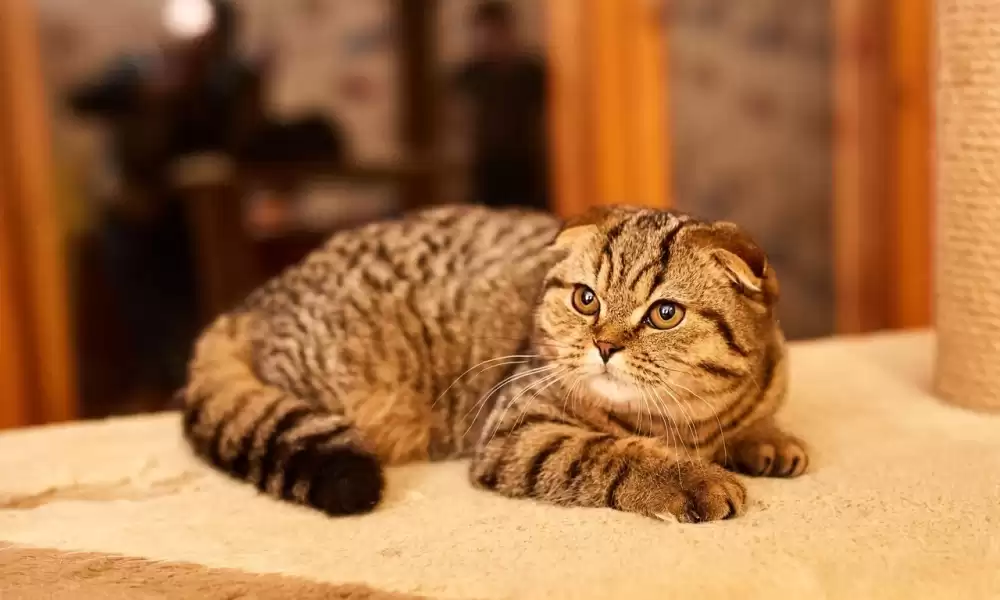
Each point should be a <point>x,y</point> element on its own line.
<point>968,271</point>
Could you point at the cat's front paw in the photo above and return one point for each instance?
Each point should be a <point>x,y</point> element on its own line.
<point>778,456</point>
<point>695,492</point>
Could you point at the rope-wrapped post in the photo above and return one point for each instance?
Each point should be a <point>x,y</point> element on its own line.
<point>968,164</point>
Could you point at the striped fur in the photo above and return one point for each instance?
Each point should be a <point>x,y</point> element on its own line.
<point>451,332</point>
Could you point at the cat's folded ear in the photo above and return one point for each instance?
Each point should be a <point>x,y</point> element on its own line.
<point>587,225</point>
<point>742,260</point>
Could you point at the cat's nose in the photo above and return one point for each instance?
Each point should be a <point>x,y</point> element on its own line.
<point>607,349</point>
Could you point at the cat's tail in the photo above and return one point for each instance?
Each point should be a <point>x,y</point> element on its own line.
<point>259,433</point>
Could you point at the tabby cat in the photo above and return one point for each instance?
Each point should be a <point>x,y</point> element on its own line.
<point>629,359</point>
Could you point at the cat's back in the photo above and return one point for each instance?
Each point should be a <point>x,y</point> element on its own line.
<point>448,241</point>
<point>438,249</point>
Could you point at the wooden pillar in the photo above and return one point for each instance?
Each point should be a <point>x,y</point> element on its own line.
<point>911,189</point>
<point>608,103</point>
<point>417,63</point>
<point>14,352</point>
<point>883,203</point>
<point>37,376</point>
<point>861,160</point>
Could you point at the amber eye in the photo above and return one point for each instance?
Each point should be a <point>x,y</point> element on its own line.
<point>585,300</point>
<point>665,315</point>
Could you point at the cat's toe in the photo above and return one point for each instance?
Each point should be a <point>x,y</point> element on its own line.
<point>708,494</point>
<point>764,458</point>
<point>752,458</point>
<point>715,500</point>
<point>791,460</point>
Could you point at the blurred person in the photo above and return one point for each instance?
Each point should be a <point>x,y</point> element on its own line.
<point>195,95</point>
<point>288,150</point>
<point>505,86</point>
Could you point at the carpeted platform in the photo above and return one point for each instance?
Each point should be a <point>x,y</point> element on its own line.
<point>903,501</point>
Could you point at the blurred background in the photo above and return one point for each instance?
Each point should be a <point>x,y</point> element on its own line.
<point>160,158</point>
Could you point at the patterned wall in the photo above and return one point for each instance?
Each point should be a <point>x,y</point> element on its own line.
<point>334,56</point>
<point>751,118</point>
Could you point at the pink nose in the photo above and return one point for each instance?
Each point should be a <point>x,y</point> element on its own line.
<point>607,349</point>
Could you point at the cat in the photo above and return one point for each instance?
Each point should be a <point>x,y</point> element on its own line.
<point>629,358</point>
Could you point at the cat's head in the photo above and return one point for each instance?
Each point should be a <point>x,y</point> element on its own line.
<point>652,306</point>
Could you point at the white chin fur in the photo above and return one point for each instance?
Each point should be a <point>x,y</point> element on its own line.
<point>613,390</point>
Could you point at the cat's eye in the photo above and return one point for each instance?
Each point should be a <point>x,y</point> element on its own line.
<point>665,315</point>
<point>585,301</point>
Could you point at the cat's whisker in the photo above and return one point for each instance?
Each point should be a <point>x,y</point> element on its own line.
<point>648,406</point>
<point>686,370</point>
<point>484,399</point>
<point>666,409</point>
<point>645,389</point>
<point>679,445</point>
<point>689,371</point>
<point>638,426</point>
<point>653,406</point>
<point>708,404</point>
<point>571,395</point>
<point>522,358</point>
<point>551,378</point>
<point>574,390</point>
<point>715,414</point>
<point>567,391</point>
<point>680,403</point>
<point>513,401</point>
<point>684,407</point>
<point>565,376</point>
<point>478,406</point>
<point>558,378</point>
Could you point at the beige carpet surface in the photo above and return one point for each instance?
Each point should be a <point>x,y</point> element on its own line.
<point>902,501</point>
<point>43,573</point>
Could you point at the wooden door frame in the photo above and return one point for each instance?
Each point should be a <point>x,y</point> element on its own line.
<point>37,374</point>
<point>883,164</point>
<point>607,104</point>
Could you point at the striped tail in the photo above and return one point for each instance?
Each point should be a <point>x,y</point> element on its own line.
<point>287,447</point>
